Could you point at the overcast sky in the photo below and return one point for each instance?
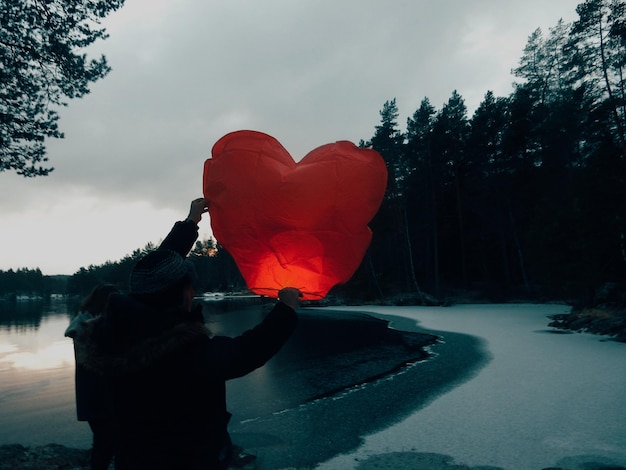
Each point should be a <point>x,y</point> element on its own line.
<point>186,72</point>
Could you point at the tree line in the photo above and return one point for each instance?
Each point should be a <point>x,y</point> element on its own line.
<point>30,283</point>
<point>525,198</point>
<point>216,270</point>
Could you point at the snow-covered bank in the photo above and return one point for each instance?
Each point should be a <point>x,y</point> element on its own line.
<point>544,400</point>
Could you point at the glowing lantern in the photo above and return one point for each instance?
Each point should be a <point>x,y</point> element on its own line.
<point>292,224</point>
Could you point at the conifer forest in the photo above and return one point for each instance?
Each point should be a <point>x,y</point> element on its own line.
<point>523,198</point>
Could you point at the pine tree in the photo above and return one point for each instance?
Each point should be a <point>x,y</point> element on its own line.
<point>450,134</point>
<point>42,67</point>
<point>596,66</point>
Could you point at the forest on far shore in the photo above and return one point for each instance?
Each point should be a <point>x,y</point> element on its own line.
<point>524,199</point>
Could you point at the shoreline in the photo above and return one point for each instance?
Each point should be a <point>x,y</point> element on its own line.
<point>327,366</point>
<point>305,436</point>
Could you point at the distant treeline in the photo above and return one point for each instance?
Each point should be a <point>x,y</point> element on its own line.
<point>216,272</point>
<point>524,199</point>
<point>30,283</point>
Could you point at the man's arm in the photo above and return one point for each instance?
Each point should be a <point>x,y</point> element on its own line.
<point>235,357</point>
<point>184,234</point>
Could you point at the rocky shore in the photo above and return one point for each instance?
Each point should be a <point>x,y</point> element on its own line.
<point>58,457</point>
<point>593,320</point>
<point>49,457</point>
<point>604,314</point>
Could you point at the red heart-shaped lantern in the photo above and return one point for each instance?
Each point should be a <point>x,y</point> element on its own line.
<point>293,224</point>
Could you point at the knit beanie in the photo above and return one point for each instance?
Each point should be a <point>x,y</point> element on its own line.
<point>158,271</point>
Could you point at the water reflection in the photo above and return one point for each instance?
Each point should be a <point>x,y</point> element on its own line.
<point>51,356</point>
<point>21,315</point>
<point>326,353</point>
<point>37,375</point>
<point>31,337</point>
<point>26,315</point>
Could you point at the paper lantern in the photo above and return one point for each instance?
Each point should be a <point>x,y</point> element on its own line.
<point>289,224</point>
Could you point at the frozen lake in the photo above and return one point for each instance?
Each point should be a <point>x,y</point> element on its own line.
<point>502,391</point>
<point>543,400</point>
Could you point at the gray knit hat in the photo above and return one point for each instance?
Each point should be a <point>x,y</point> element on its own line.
<point>160,270</point>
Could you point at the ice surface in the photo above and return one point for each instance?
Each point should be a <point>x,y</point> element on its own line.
<point>544,400</point>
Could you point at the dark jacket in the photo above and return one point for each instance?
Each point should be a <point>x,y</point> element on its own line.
<point>181,238</point>
<point>168,383</point>
<point>168,376</point>
<point>92,394</point>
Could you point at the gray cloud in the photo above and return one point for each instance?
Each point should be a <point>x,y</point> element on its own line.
<point>307,72</point>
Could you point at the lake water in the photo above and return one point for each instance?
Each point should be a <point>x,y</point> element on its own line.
<point>37,376</point>
<point>501,390</point>
<point>37,366</point>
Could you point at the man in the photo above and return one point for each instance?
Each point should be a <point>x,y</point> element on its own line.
<point>168,374</point>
